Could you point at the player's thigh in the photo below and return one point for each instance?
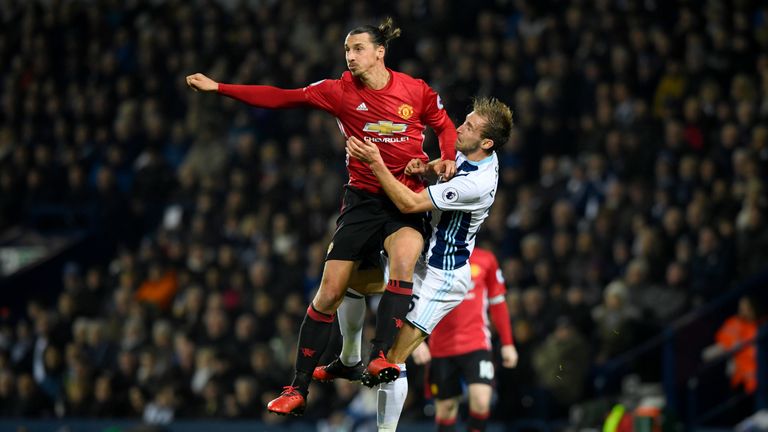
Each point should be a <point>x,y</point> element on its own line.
<point>403,247</point>
<point>444,378</point>
<point>333,285</point>
<point>359,228</point>
<point>478,372</point>
<point>368,281</point>
<point>477,367</point>
<point>369,278</point>
<point>358,235</point>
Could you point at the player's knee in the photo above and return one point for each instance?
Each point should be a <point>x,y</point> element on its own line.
<point>401,265</point>
<point>446,409</point>
<point>403,249</point>
<point>401,273</point>
<point>479,404</point>
<point>328,298</point>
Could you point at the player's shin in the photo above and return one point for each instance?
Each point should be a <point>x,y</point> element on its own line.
<point>351,316</point>
<point>313,337</point>
<point>333,348</point>
<point>446,411</point>
<point>408,338</point>
<point>477,421</point>
<point>446,425</point>
<point>390,315</point>
<point>390,399</point>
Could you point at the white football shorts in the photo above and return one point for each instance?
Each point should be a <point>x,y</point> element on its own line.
<point>436,292</point>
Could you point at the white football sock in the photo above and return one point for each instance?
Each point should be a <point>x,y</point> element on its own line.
<point>390,399</point>
<point>351,315</point>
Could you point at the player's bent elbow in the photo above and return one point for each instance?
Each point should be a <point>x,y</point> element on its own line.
<point>408,208</point>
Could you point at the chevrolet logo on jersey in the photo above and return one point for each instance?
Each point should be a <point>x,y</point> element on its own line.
<point>385,127</point>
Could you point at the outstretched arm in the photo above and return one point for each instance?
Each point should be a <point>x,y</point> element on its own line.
<point>406,200</point>
<point>256,95</point>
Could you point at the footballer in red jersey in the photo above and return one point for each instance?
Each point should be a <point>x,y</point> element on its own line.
<point>390,109</point>
<point>392,117</point>
<point>460,346</point>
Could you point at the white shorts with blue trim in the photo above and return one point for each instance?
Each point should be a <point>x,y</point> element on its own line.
<point>436,292</point>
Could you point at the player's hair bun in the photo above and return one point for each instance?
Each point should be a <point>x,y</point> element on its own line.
<point>381,35</point>
<point>388,29</point>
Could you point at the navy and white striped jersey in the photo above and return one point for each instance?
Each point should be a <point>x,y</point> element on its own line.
<point>461,204</point>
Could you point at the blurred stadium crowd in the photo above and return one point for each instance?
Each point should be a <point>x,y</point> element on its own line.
<point>633,189</point>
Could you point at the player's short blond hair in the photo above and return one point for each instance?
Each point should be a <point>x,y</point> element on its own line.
<point>498,120</point>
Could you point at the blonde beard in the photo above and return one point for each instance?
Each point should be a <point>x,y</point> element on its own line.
<point>468,149</point>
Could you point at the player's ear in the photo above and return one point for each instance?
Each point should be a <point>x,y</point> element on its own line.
<point>380,51</point>
<point>486,144</point>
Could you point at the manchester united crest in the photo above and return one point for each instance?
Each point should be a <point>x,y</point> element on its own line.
<point>405,111</point>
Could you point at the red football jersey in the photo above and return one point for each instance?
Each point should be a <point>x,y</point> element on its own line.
<point>465,329</point>
<point>394,118</point>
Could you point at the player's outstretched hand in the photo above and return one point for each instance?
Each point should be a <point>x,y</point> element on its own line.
<point>365,151</point>
<point>421,354</point>
<point>445,169</point>
<point>509,356</point>
<point>200,82</point>
<point>416,167</point>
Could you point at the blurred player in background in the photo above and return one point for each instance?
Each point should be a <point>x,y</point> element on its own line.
<point>460,347</point>
<point>458,207</point>
<point>391,110</point>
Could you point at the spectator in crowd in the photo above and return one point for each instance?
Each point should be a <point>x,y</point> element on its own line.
<point>52,380</point>
<point>561,364</point>
<point>7,393</point>
<point>243,403</point>
<point>77,401</point>
<point>615,321</point>
<point>737,330</point>
<point>29,400</point>
<point>105,404</point>
<point>161,410</point>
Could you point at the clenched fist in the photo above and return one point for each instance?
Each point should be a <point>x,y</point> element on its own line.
<point>416,167</point>
<point>200,82</point>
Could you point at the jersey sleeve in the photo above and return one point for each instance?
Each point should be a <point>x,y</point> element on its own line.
<point>264,96</point>
<point>325,95</point>
<point>434,116</point>
<point>494,280</point>
<point>460,193</point>
<point>497,304</point>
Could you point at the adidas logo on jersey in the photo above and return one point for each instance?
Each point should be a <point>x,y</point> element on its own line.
<point>362,107</point>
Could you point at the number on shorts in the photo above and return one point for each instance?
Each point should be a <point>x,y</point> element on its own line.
<point>412,304</point>
<point>486,369</point>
